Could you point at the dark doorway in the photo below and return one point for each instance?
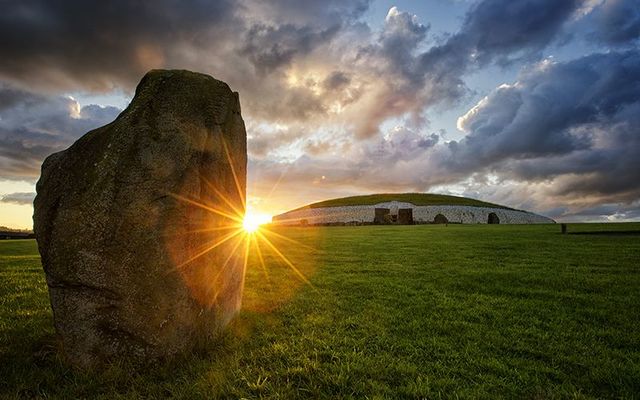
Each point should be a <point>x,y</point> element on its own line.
<point>493,219</point>
<point>440,219</point>
<point>381,216</point>
<point>405,216</point>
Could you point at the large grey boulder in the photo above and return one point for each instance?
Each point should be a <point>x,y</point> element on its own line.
<point>127,220</point>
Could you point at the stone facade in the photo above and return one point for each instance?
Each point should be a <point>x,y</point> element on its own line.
<point>365,214</point>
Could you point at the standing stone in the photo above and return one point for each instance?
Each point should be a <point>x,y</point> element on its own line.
<point>138,224</point>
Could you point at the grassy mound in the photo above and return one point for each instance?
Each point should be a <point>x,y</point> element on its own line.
<point>419,199</point>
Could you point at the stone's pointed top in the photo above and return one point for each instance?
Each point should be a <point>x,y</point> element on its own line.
<point>181,75</point>
<point>121,218</point>
<point>188,94</point>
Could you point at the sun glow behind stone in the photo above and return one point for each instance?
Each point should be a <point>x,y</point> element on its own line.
<point>241,235</point>
<point>252,222</point>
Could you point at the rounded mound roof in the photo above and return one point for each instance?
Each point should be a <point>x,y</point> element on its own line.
<point>418,199</point>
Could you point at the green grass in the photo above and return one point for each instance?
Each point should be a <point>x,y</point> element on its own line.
<point>418,199</point>
<point>426,311</point>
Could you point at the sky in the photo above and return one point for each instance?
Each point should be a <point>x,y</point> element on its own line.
<point>534,104</point>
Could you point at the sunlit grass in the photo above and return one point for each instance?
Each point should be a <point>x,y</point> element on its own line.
<point>393,312</point>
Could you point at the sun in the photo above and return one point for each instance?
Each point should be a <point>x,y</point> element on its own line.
<point>252,222</point>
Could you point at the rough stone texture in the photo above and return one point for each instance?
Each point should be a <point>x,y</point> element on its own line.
<point>116,227</point>
<point>421,214</point>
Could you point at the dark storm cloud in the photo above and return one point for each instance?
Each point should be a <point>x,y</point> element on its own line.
<point>19,198</point>
<point>576,122</point>
<point>503,28</point>
<point>315,79</point>
<point>100,45</point>
<point>32,126</point>
<point>617,22</point>
<point>49,46</point>
<point>563,134</point>
<point>316,13</point>
<point>269,48</point>
<point>280,42</point>
<point>336,80</point>
<point>494,31</point>
<point>293,29</point>
<point>104,45</point>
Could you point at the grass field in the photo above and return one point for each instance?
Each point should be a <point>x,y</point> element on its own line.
<point>418,199</point>
<point>431,311</point>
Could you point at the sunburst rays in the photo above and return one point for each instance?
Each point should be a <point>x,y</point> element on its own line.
<point>234,236</point>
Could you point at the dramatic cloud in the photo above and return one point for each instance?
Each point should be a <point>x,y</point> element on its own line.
<point>617,22</point>
<point>576,124</point>
<point>21,198</point>
<point>32,126</point>
<point>312,63</point>
<point>314,13</point>
<point>337,105</point>
<point>499,28</point>
<point>564,133</point>
<point>269,48</point>
<point>493,31</point>
<point>102,45</point>
<point>394,162</point>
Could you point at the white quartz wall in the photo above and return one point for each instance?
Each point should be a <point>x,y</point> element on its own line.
<point>421,214</point>
<point>477,215</point>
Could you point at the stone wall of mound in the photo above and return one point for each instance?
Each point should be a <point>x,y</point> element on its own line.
<point>421,215</point>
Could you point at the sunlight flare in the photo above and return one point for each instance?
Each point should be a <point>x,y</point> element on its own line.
<point>252,222</point>
<point>245,231</point>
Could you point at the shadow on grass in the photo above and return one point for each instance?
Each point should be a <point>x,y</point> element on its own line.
<point>31,364</point>
<point>33,368</point>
